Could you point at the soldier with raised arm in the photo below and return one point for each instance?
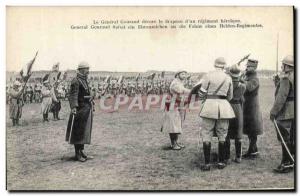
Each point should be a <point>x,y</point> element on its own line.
<point>216,110</point>
<point>253,124</point>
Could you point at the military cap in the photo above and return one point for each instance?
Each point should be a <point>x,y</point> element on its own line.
<point>288,60</point>
<point>83,65</point>
<point>220,62</point>
<point>252,63</point>
<point>179,72</point>
<point>17,83</point>
<point>234,71</point>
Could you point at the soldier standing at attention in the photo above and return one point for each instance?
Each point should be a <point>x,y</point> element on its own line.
<point>253,124</point>
<point>235,129</point>
<point>80,122</point>
<point>54,82</point>
<point>175,113</point>
<point>47,98</point>
<point>216,110</point>
<point>16,102</point>
<point>283,112</point>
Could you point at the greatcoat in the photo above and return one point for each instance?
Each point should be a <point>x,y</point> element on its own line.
<point>80,125</point>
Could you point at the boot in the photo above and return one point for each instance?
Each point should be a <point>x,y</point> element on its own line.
<point>46,117</point>
<point>78,155</point>
<point>221,163</point>
<point>286,164</point>
<point>238,151</point>
<point>176,141</point>
<point>206,150</point>
<point>227,149</point>
<point>17,122</point>
<point>174,145</point>
<point>14,122</point>
<point>57,118</point>
<point>54,115</point>
<point>83,154</point>
<point>252,150</point>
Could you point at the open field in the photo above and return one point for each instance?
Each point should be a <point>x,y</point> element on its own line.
<point>130,153</point>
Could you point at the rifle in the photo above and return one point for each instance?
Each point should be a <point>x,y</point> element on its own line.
<point>243,59</point>
<point>277,55</point>
<point>276,77</point>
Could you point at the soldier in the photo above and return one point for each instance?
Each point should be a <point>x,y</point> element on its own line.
<point>16,102</point>
<point>175,115</point>
<point>235,129</point>
<point>283,112</point>
<point>253,125</point>
<point>46,98</point>
<point>81,117</point>
<point>54,82</point>
<point>56,104</point>
<point>216,110</point>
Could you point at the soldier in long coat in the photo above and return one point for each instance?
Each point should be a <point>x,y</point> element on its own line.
<point>80,122</point>
<point>283,112</point>
<point>46,99</point>
<point>216,110</point>
<point>16,102</point>
<point>175,110</point>
<point>253,124</point>
<point>235,129</point>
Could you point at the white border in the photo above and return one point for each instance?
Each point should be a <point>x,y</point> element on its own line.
<point>5,3</point>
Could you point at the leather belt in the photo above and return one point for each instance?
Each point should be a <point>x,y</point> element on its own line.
<point>216,97</point>
<point>290,99</point>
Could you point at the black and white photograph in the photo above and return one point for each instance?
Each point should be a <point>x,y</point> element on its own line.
<point>150,98</point>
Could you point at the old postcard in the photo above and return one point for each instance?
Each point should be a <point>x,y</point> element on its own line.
<point>143,98</point>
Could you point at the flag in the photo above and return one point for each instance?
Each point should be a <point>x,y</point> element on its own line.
<point>58,75</point>
<point>137,77</point>
<point>151,77</point>
<point>26,70</point>
<point>46,77</point>
<point>107,79</point>
<point>65,75</point>
<point>120,80</point>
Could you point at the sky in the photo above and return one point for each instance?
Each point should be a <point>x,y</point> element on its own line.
<point>47,29</point>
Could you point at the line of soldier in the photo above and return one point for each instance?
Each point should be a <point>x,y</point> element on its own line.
<point>230,107</point>
<point>131,87</point>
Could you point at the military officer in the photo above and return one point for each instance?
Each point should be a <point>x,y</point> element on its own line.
<point>235,129</point>
<point>80,122</point>
<point>253,124</point>
<point>216,110</point>
<point>16,102</point>
<point>283,112</point>
<point>175,113</point>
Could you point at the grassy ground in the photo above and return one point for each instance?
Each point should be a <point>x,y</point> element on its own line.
<point>130,153</point>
